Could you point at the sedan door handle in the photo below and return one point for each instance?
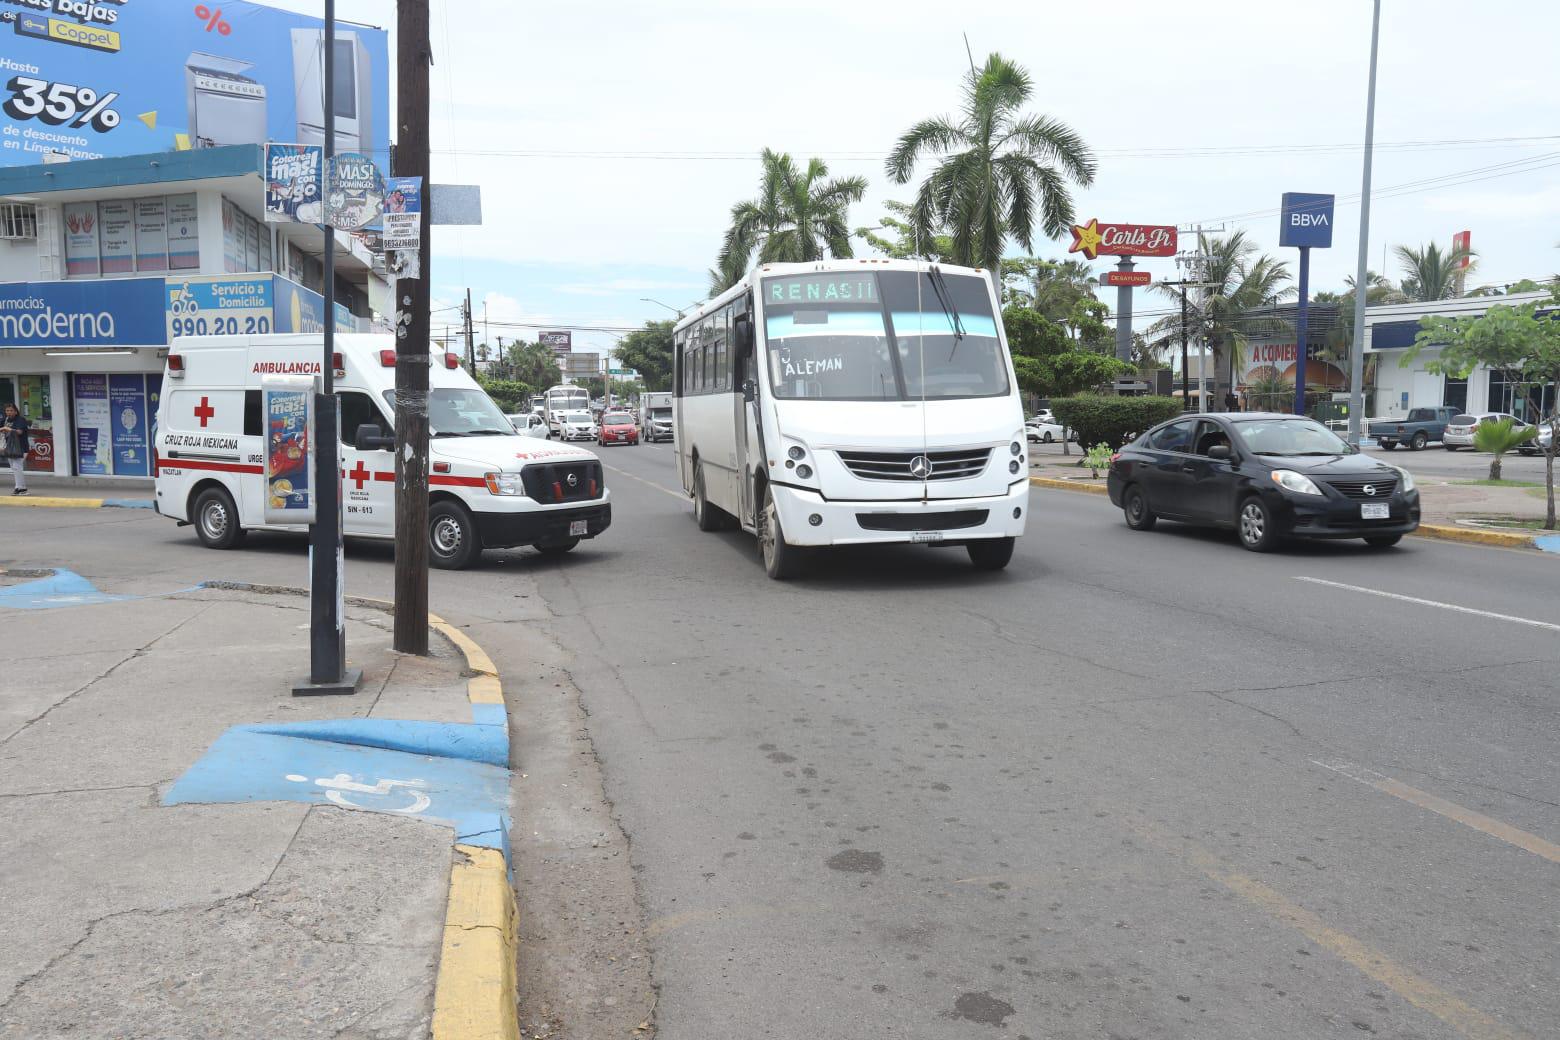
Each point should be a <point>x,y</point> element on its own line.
<point>1187,467</point>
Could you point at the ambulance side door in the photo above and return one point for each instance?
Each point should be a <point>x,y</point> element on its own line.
<point>368,474</point>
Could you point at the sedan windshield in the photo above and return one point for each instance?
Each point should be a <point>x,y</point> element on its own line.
<point>883,335</point>
<point>462,413</point>
<point>1289,437</point>
<point>617,420</point>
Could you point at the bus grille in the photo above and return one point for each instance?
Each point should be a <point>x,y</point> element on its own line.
<point>895,465</point>
<point>951,520</point>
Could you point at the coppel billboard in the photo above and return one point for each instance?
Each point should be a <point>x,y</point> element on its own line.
<point>94,78</point>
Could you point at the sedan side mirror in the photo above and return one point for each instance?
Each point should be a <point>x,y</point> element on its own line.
<point>1220,451</point>
<point>371,437</point>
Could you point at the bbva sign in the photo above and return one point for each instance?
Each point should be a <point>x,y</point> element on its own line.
<point>1305,220</point>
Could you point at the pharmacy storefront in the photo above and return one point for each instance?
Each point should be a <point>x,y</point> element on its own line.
<point>83,360</point>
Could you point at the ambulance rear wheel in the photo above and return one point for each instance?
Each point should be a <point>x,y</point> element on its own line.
<point>216,519</point>
<point>452,537</point>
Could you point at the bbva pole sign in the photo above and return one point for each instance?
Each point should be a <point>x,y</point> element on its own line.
<point>1094,238</point>
<point>1306,220</point>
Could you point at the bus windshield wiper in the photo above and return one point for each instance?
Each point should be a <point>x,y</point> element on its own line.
<point>951,312</point>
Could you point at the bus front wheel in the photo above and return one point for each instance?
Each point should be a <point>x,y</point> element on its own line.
<point>781,559</point>
<point>991,554</point>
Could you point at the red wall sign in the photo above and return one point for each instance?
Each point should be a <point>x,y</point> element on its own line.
<point>1094,238</point>
<point>1126,278</point>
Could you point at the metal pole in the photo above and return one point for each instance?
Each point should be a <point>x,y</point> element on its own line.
<point>1300,329</point>
<point>413,339</point>
<point>471,349</point>
<point>1357,351</point>
<point>327,628</point>
<point>1124,315</point>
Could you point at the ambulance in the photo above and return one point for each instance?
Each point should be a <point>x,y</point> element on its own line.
<point>488,487</point>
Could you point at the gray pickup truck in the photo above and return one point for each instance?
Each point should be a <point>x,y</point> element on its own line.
<point>1418,428</point>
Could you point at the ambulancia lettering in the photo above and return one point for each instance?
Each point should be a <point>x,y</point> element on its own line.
<point>286,368</point>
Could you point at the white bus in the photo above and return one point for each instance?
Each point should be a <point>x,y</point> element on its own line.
<point>560,400</point>
<point>852,401</point>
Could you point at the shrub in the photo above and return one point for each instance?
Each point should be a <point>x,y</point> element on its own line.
<point>511,395</point>
<point>1097,458</point>
<point>1113,421</point>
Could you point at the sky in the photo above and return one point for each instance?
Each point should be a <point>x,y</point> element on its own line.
<point>610,139</point>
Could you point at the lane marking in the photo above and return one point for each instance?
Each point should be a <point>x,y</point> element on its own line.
<point>1374,964</point>
<point>1451,810</point>
<point>648,483</point>
<point>1432,603</point>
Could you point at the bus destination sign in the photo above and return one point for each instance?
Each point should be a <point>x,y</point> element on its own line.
<point>822,288</point>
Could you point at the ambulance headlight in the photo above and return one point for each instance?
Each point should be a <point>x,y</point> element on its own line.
<point>504,484</point>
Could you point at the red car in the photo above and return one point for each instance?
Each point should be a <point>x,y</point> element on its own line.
<point>618,428</point>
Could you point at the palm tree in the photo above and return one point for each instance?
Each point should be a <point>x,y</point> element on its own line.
<point>1239,280</point>
<point>1379,290</point>
<point>799,215</point>
<point>1499,437</point>
<point>1429,274</point>
<point>999,170</point>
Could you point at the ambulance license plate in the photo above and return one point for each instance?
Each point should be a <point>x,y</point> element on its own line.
<point>579,528</point>
<point>1375,511</point>
<point>926,536</point>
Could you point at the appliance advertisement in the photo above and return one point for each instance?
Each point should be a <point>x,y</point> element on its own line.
<point>94,457</point>
<point>131,77</point>
<point>292,183</point>
<point>288,407</point>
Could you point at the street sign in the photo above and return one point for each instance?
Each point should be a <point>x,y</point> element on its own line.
<point>1126,278</point>
<point>1094,238</point>
<point>1306,220</point>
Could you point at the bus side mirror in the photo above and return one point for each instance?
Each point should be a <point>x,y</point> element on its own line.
<point>370,437</point>
<point>742,329</point>
<point>749,391</point>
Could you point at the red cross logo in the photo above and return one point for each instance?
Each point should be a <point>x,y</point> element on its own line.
<point>204,412</point>
<point>359,474</point>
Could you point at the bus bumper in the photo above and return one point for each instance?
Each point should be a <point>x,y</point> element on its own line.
<point>874,522</point>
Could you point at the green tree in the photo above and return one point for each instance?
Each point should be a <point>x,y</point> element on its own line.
<point>532,363</point>
<point>1050,363</point>
<point>905,245</point>
<point>1429,274</point>
<point>799,215</point>
<point>649,352</point>
<point>1240,279</point>
<point>511,395</point>
<point>1379,291</point>
<point>1000,171</point>
<point>1517,339</point>
<point>1051,287</point>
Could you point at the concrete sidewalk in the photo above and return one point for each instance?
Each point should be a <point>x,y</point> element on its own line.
<point>128,917</point>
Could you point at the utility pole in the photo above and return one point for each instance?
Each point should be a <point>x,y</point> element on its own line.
<point>471,349</point>
<point>1357,350</point>
<point>413,338</point>
<point>487,337</point>
<point>327,625</point>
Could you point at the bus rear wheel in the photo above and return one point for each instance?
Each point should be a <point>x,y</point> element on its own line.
<point>708,517</point>
<point>781,559</point>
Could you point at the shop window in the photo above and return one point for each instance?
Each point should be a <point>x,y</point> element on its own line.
<point>116,418</point>
<point>1455,394</point>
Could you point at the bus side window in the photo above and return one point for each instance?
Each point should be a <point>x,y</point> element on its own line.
<point>722,337</point>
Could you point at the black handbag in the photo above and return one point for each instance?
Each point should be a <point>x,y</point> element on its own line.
<point>13,445</point>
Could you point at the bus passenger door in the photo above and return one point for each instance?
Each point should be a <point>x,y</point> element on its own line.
<point>746,420</point>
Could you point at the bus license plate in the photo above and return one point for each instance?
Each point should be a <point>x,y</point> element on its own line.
<point>582,527</point>
<point>1375,511</point>
<point>926,536</point>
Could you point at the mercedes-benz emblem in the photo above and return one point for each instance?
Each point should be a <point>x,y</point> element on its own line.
<point>920,467</point>
<point>1369,489</point>
<point>573,480</point>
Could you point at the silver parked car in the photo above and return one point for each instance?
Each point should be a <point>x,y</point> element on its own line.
<point>1459,432</point>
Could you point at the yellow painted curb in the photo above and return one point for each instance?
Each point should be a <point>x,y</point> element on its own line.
<point>476,657</point>
<point>1068,485</point>
<point>41,502</point>
<point>474,998</point>
<point>1475,536</point>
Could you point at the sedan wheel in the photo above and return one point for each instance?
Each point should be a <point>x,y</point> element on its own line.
<point>1135,507</point>
<point>1048,438</point>
<point>1255,524</point>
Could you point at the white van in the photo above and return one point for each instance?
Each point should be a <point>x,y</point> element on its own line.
<point>488,487</point>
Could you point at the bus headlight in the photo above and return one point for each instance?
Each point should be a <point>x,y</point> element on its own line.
<point>1016,448</point>
<point>797,452</point>
<point>804,471</point>
<point>508,484</point>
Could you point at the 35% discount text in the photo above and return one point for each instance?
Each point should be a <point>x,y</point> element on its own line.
<point>60,103</point>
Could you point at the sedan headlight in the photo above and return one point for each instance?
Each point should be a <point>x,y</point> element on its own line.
<point>1406,477</point>
<point>508,484</point>
<point>1299,483</point>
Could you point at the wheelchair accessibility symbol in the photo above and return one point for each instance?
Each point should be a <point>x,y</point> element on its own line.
<point>339,787</point>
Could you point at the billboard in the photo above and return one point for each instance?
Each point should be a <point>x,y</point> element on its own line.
<point>1305,220</point>
<point>557,342</point>
<point>128,77</point>
<point>1094,238</point>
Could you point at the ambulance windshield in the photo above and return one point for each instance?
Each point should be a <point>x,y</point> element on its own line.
<point>462,413</point>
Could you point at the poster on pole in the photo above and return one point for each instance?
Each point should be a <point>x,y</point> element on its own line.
<point>292,183</point>
<point>403,225</point>
<point>354,192</point>
<point>287,404</point>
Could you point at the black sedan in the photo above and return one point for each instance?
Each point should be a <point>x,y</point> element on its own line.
<point>1268,476</point>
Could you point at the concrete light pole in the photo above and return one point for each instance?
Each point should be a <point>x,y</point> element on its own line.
<point>1357,353</point>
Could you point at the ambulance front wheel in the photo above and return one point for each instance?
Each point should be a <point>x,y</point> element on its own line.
<point>452,537</point>
<point>216,519</point>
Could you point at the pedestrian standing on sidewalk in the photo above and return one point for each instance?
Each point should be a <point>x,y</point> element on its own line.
<point>14,437</point>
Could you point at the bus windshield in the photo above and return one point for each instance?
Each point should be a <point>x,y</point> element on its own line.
<point>878,335</point>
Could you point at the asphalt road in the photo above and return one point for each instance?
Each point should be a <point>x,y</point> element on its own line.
<point>1138,785</point>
